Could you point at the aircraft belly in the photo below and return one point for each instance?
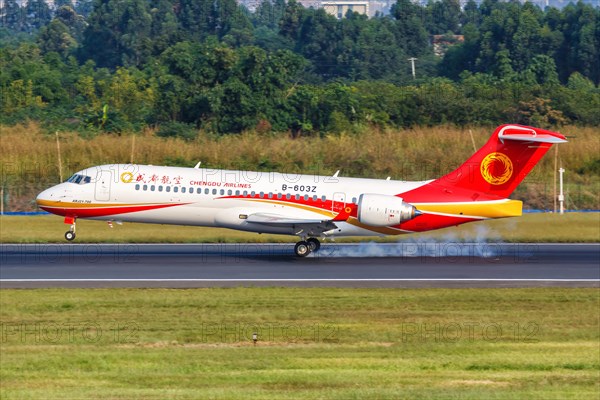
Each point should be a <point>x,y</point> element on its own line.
<point>179,215</point>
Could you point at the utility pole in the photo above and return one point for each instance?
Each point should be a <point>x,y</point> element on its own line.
<point>59,160</point>
<point>561,196</point>
<point>412,63</point>
<point>132,148</point>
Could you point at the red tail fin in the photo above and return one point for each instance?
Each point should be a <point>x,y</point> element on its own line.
<point>504,161</point>
<point>496,169</point>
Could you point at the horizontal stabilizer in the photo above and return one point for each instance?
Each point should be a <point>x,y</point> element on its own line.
<point>526,134</point>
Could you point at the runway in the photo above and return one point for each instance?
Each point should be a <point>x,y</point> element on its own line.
<point>406,264</point>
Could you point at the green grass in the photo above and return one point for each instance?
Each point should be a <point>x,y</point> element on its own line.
<point>572,227</point>
<point>314,343</point>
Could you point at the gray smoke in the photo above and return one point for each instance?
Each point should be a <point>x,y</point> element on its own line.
<point>483,243</point>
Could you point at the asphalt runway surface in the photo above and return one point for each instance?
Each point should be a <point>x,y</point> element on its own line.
<point>403,264</point>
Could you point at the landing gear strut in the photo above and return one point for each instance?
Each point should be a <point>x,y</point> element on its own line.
<point>305,247</point>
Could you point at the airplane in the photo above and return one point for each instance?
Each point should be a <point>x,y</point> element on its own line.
<point>311,207</point>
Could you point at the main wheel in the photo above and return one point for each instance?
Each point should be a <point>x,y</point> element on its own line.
<point>302,249</point>
<point>69,235</point>
<point>314,244</point>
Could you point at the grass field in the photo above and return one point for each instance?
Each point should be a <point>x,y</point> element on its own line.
<point>312,343</point>
<point>571,227</point>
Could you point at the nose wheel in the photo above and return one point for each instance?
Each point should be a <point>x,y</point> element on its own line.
<point>69,235</point>
<point>305,247</point>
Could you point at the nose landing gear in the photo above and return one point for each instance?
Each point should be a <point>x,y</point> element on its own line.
<point>305,247</point>
<point>70,234</point>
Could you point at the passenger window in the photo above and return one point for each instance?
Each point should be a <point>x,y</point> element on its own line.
<point>222,192</point>
<point>279,196</point>
<point>229,192</point>
<point>152,188</point>
<point>137,186</point>
<point>323,198</point>
<point>252,194</point>
<point>261,194</point>
<point>270,195</point>
<point>206,191</point>
<point>167,189</point>
<point>237,192</point>
<point>245,193</point>
<point>288,196</point>
<point>214,191</point>
<point>145,187</point>
<point>176,189</point>
<point>305,197</point>
<point>160,188</point>
<point>354,200</point>
<point>199,190</point>
<point>183,189</point>
<point>297,197</point>
<point>314,197</point>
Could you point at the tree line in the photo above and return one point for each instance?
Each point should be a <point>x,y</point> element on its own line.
<point>116,65</point>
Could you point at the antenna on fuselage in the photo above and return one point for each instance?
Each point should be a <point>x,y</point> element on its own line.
<point>336,173</point>
<point>197,166</point>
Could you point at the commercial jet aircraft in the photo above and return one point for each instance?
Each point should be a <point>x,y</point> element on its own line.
<point>309,206</point>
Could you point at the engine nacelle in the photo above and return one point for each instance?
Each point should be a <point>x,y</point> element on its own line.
<point>384,210</point>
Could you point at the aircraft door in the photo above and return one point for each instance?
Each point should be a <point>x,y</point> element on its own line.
<point>338,203</point>
<point>102,190</point>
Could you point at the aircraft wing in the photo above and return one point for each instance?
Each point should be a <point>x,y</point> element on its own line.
<point>310,227</point>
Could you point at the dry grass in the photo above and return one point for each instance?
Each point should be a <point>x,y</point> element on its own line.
<point>29,157</point>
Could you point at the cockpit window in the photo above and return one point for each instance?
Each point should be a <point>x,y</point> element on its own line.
<point>79,179</point>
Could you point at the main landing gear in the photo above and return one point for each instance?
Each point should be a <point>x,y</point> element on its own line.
<point>305,247</point>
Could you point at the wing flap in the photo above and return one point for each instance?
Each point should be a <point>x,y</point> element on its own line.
<point>309,227</point>
<point>275,219</point>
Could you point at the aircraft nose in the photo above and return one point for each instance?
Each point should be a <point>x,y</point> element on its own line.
<point>44,197</point>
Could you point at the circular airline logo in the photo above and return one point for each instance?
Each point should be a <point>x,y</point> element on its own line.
<point>496,168</point>
<point>126,177</point>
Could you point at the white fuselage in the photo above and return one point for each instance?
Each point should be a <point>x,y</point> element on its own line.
<point>218,198</point>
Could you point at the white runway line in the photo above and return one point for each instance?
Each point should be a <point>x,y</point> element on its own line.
<point>301,280</point>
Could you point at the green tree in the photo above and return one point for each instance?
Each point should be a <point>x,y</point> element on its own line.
<point>410,31</point>
<point>443,16</point>
<point>12,16</point>
<point>38,15</point>
<point>291,21</point>
<point>56,37</point>
<point>526,40</point>
<point>118,33</point>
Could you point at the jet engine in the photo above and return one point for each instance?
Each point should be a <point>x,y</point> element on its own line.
<point>384,210</point>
